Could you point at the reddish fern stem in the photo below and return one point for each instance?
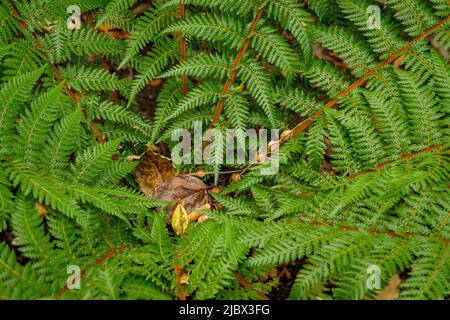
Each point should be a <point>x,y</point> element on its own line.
<point>361,81</point>
<point>390,233</point>
<point>403,157</point>
<point>249,286</point>
<point>97,262</point>
<point>103,63</point>
<point>177,269</point>
<point>236,63</point>
<point>332,103</point>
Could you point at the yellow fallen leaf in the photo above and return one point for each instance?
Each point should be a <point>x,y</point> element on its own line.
<point>180,220</point>
<point>41,209</point>
<point>184,279</point>
<point>240,87</point>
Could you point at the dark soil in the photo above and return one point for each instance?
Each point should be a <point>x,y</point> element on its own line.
<point>286,275</point>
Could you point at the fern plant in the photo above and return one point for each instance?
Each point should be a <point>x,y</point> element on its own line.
<point>363,177</point>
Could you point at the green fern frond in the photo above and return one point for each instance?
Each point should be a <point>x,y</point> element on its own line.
<point>361,185</point>
<point>37,123</point>
<point>429,276</point>
<point>423,108</point>
<point>61,143</point>
<point>45,190</point>
<point>258,85</point>
<point>163,53</point>
<point>202,66</point>
<point>145,30</point>
<point>17,281</point>
<point>87,78</point>
<point>218,29</point>
<point>294,19</point>
<point>384,40</point>
<point>91,162</point>
<point>33,243</point>
<point>12,97</point>
<point>272,47</point>
<point>415,15</point>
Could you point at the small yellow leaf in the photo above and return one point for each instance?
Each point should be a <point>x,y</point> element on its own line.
<point>41,209</point>
<point>180,220</point>
<point>184,279</point>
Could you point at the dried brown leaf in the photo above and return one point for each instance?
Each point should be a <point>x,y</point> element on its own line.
<point>392,291</point>
<point>158,179</point>
<point>153,170</point>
